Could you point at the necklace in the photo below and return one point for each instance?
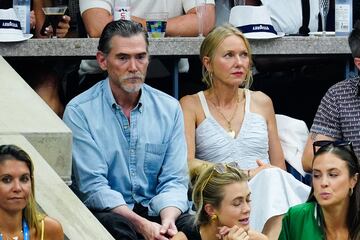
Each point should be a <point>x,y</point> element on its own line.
<point>6,237</point>
<point>230,132</point>
<point>24,231</point>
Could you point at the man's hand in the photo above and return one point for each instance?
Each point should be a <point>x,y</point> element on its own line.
<point>168,228</point>
<point>168,216</point>
<point>152,231</point>
<point>62,29</point>
<point>32,19</point>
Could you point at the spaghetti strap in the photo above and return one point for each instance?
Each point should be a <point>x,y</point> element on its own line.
<point>204,104</point>
<point>247,100</point>
<point>42,229</point>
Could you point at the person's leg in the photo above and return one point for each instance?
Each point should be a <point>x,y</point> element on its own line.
<point>185,221</point>
<point>118,226</point>
<point>272,227</point>
<point>48,89</point>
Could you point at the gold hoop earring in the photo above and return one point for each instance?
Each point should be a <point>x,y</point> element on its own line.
<point>351,191</point>
<point>214,217</point>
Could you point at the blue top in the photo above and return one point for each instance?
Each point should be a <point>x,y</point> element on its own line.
<point>116,162</point>
<point>215,145</point>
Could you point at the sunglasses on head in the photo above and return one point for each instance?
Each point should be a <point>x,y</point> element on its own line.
<point>220,168</point>
<point>317,145</point>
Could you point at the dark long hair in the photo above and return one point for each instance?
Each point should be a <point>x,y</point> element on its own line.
<point>352,163</point>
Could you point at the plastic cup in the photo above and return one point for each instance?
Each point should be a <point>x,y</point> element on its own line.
<point>156,24</point>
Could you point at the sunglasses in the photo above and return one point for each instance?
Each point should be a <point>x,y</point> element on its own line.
<point>317,145</point>
<point>220,168</point>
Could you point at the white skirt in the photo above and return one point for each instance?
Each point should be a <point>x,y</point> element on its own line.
<point>273,192</point>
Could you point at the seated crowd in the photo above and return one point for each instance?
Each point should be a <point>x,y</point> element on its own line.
<point>138,152</point>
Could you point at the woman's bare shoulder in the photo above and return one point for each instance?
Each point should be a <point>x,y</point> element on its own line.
<point>190,102</point>
<point>53,229</point>
<point>260,99</point>
<point>189,98</point>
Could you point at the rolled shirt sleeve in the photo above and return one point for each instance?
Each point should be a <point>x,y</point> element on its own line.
<point>90,167</point>
<point>87,4</point>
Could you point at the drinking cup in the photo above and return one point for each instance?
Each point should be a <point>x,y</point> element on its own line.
<point>156,24</point>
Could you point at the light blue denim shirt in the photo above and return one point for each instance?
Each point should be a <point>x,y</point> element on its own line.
<point>117,163</point>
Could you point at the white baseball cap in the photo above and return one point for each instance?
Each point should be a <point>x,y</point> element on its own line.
<point>10,29</point>
<point>254,22</point>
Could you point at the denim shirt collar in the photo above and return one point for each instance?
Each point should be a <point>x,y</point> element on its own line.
<point>111,100</point>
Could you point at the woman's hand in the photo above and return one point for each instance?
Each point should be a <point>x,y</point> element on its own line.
<point>62,29</point>
<point>261,166</point>
<point>234,233</point>
<point>257,236</point>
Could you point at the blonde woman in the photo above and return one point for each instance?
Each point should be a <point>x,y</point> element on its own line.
<point>228,122</point>
<point>222,198</point>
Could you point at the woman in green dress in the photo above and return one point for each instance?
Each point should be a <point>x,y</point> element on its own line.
<point>333,208</point>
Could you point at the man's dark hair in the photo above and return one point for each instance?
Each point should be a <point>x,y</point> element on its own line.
<point>122,28</point>
<point>354,40</point>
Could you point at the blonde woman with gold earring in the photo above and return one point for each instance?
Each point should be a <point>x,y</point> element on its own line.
<point>222,200</point>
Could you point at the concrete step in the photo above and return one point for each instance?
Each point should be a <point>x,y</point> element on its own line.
<point>24,112</point>
<point>56,199</point>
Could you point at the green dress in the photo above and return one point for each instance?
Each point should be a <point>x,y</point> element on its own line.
<point>301,222</point>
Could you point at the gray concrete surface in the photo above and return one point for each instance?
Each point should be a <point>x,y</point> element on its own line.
<point>56,199</point>
<point>175,46</point>
<point>24,112</point>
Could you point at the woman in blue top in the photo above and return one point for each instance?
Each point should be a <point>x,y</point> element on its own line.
<point>333,208</point>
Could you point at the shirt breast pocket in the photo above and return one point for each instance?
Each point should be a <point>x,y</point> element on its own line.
<point>154,157</point>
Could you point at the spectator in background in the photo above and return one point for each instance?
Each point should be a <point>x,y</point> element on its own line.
<point>43,76</point>
<point>287,16</point>
<point>338,114</point>
<point>129,153</point>
<point>286,77</point>
<point>19,218</point>
<point>182,21</point>
<point>333,208</point>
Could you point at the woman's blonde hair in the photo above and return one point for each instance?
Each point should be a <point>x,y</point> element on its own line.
<point>30,213</point>
<point>209,188</point>
<point>212,42</point>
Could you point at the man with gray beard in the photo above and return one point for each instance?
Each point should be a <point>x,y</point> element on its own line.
<point>129,151</point>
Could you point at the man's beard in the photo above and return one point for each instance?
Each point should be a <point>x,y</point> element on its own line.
<point>133,87</point>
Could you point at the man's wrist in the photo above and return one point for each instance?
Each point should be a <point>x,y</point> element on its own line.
<point>170,213</point>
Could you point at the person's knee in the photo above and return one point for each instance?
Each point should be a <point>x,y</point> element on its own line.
<point>118,226</point>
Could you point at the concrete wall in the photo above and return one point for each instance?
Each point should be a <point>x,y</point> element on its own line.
<point>57,200</point>
<point>28,122</point>
<point>24,112</point>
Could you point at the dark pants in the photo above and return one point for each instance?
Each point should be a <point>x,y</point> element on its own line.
<point>121,228</point>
